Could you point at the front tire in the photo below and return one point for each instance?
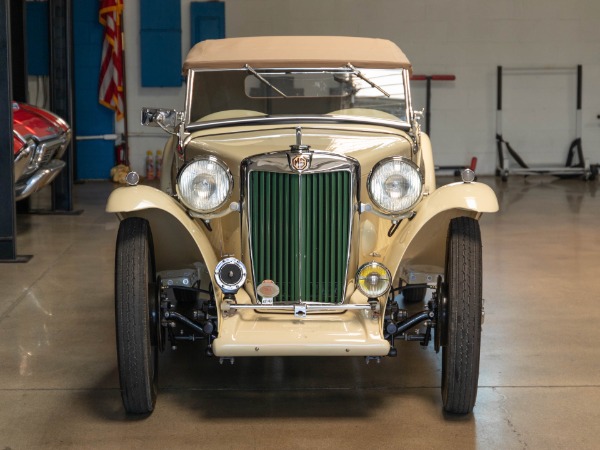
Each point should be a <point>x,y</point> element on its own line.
<point>135,314</point>
<point>460,354</point>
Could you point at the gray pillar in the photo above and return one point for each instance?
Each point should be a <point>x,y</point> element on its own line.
<point>8,247</point>
<point>61,94</point>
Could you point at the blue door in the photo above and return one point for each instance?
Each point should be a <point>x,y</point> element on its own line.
<point>95,157</point>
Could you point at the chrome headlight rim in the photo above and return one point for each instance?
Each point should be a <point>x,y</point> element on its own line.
<point>403,160</point>
<point>221,164</point>
<point>373,264</point>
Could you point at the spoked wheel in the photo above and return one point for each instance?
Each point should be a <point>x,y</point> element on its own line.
<point>136,314</point>
<point>462,307</point>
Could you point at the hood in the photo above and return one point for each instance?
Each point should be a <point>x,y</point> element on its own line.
<point>29,121</point>
<point>368,144</point>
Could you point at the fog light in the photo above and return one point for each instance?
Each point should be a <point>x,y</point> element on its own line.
<point>373,279</point>
<point>230,275</point>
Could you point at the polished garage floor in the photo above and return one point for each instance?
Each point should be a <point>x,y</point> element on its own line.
<point>540,366</point>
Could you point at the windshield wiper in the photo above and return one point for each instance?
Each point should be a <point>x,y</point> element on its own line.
<point>263,80</point>
<point>365,79</point>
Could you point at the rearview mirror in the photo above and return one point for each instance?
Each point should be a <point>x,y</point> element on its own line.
<point>167,119</point>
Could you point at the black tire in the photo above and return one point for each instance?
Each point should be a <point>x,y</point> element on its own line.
<point>460,353</point>
<point>136,316</point>
<point>414,295</point>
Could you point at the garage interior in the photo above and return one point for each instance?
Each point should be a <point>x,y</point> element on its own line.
<point>539,383</point>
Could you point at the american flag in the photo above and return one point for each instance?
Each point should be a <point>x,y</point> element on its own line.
<point>111,71</point>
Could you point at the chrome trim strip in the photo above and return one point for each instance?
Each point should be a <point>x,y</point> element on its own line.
<point>61,150</point>
<point>301,234</point>
<point>308,306</point>
<point>26,152</point>
<point>321,162</point>
<point>407,96</point>
<point>20,136</point>
<point>295,119</point>
<point>61,137</point>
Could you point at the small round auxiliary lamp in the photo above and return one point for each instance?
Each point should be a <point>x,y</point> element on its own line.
<point>230,276</point>
<point>373,280</point>
<point>467,175</point>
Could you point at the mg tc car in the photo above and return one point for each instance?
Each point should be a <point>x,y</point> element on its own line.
<point>298,200</point>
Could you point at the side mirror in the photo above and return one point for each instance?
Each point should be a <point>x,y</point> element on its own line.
<point>167,119</point>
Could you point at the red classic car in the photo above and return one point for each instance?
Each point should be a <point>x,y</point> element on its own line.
<point>39,140</point>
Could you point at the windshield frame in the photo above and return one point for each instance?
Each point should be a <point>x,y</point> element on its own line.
<point>287,118</point>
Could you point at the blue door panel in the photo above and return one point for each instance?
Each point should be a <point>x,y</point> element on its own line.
<point>207,21</point>
<point>38,50</point>
<point>160,43</point>
<point>94,158</point>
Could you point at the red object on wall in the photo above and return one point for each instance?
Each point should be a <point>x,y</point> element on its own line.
<point>111,70</point>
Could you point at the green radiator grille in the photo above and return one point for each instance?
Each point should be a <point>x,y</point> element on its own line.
<point>300,228</point>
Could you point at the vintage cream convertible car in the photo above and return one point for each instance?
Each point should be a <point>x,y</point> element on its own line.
<point>298,200</point>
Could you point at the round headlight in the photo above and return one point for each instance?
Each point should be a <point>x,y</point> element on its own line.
<point>373,279</point>
<point>204,184</point>
<point>395,185</point>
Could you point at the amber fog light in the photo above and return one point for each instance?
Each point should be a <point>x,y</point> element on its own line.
<point>373,279</point>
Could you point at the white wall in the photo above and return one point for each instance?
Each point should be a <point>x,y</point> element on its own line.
<point>468,38</point>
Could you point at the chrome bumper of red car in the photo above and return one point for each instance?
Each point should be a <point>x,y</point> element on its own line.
<point>39,179</point>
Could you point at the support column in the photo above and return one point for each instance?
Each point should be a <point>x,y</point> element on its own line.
<point>61,95</point>
<point>18,55</point>
<point>8,221</point>
<point>8,225</point>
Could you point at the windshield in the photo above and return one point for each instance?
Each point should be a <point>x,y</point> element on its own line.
<point>231,94</point>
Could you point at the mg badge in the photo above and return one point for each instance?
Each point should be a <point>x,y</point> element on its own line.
<point>300,162</point>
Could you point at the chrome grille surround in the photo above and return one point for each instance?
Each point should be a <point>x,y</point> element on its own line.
<point>279,162</point>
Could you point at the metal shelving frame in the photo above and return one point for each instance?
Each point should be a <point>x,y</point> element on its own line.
<point>504,168</point>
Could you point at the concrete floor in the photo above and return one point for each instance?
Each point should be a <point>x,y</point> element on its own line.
<point>540,365</point>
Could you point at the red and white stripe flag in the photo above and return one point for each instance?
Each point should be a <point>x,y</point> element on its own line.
<point>111,71</point>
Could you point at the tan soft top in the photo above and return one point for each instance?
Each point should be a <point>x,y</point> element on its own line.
<point>295,51</point>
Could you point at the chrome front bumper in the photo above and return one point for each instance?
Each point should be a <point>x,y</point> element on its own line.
<point>38,179</point>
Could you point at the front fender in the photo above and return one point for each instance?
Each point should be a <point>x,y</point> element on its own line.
<point>420,243</point>
<point>178,240</point>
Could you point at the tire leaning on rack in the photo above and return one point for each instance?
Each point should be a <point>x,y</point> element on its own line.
<point>462,289</point>
<point>136,316</point>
